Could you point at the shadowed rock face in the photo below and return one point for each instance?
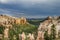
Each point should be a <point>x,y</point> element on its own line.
<point>21,20</point>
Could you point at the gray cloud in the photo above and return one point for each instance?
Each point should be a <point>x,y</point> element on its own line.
<point>30,8</point>
<point>10,12</point>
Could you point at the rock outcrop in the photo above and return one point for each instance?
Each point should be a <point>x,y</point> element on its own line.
<point>49,21</point>
<point>4,19</point>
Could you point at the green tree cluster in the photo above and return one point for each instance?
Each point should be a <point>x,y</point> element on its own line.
<point>18,29</point>
<point>52,36</point>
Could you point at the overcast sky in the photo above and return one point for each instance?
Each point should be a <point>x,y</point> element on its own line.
<point>30,8</point>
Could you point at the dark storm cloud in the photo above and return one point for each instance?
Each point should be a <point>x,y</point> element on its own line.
<point>30,8</point>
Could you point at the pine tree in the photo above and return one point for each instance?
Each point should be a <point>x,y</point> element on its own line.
<point>53,32</point>
<point>46,36</point>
